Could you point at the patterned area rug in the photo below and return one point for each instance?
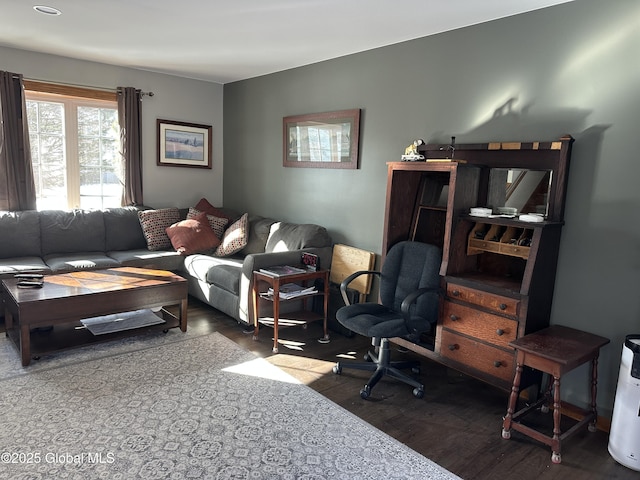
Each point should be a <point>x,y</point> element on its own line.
<point>197,408</point>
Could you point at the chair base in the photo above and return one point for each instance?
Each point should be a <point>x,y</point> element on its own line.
<point>381,365</point>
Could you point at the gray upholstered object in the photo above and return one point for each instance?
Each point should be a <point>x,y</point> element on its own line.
<point>409,295</point>
<point>285,236</point>
<point>56,241</point>
<point>71,231</point>
<point>408,267</point>
<point>225,282</point>
<point>122,229</point>
<point>19,234</point>
<point>259,228</point>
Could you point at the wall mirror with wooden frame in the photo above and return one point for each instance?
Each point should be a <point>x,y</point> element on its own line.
<point>518,190</point>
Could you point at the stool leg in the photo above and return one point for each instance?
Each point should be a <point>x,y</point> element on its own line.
<point>594,393</point>
<point>513,399</point>
<point>555,442</point>
<point>544,408</point>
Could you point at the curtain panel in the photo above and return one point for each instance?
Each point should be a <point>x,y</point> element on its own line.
<point>129,116</point>
<point>17,185</point>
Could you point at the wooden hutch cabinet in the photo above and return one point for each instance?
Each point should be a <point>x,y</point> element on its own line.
<point>498,273</point>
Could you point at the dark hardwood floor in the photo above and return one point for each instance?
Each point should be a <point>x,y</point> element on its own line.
<point>457,424</point>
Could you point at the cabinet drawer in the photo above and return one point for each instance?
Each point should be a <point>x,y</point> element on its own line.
<point>515,250</point>
<point>477,355</point>
<point>475,323</point>
<point>476,245</point>
<point>497,303</point>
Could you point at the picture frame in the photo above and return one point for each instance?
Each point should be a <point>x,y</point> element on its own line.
<point>322,140</point>
<point>182,144</point>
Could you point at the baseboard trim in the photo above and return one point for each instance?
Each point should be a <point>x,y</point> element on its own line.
<point>577,413</point>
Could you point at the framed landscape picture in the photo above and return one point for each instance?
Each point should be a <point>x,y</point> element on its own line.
<point>183,144</point>
<point>322,140</point>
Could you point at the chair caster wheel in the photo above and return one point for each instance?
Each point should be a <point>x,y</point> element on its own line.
<point>166,330</point>
<point>592,428</point>
<point>556,458</point>
<point>544,408</point>
<point>365,392</point>
<point>337,369</point>
<point>367,357</point>
<point>415,370</point>
<point>506,434</point>
<point>418,392</point>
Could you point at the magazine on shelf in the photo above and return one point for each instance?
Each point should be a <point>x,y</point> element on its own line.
<point>293,290</point>
<point>280,270</point>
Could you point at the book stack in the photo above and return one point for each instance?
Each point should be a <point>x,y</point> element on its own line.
<point>293,290</point>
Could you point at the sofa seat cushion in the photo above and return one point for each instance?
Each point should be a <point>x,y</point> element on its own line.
<point>144,258</point>
<point>67,262</point>
<point>222,272</point>
<point>72,231</point>
<point>19,234</point>
<point>21,265</point>
<point>284,237</point>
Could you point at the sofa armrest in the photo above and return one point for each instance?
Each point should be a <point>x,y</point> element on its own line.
<point>256,261</point>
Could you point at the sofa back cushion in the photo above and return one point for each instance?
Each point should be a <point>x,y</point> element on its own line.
<point>63,231</point>
<point>19,234</point>
<point>285,236</point>
<point>259,229</point>
<point>123,230</point>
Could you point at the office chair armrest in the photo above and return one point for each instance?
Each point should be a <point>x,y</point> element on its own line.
<point>412,297</point>
<point>345,283</point>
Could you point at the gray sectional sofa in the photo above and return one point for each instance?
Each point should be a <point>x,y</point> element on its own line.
<point>55,241</point>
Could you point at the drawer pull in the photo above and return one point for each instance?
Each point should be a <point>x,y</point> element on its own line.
<point>503,306</point>
<point>500,332</point>
<point>453,317</point>
<point>497,363</point>
<point>453,347</point>
<point>456,293</point>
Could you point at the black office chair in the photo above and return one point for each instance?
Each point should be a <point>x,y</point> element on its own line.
<point>409,295</point>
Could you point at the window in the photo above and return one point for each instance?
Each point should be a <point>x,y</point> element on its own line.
<point>74,148</point>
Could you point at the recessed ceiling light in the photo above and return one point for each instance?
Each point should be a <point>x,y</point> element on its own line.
<point>46,10</point>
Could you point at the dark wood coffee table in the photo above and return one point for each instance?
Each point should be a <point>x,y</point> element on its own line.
<point>71,297</point>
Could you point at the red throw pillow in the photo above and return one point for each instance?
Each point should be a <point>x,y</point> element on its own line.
<point>204,206</point>
<point>193,235</point>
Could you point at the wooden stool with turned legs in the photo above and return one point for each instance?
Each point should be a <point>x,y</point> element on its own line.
<point>555,350</point>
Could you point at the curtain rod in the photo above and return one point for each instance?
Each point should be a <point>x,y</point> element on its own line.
<point>104,89</point>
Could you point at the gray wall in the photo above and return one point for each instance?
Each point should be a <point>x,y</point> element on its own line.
<point>567,69</point>
<point>175,98</point>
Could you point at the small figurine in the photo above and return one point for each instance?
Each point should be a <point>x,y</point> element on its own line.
<point>411,152</point>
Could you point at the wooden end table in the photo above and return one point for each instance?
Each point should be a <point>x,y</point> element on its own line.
<point>70,297</point>
<point>555,350</point>
<point>300,317</point>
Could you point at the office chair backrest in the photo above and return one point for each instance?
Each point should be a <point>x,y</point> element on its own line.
<point>407,267</point>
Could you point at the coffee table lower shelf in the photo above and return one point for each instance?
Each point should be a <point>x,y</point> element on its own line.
<point>52,339</point>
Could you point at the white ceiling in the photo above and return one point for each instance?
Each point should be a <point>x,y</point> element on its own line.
<point>228,40</point>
